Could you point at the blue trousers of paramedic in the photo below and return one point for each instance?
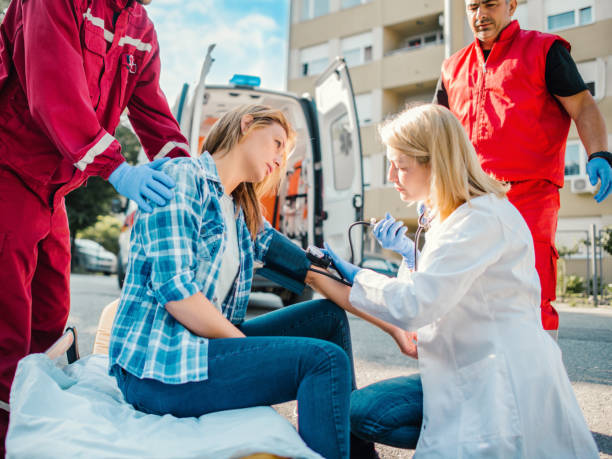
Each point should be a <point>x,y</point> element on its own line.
<point>389,411</point>
<point>301,352</point>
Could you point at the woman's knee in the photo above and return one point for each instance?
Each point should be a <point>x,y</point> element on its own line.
<point>386,406</point>
<point>364,415</point>
<point>325,356</point>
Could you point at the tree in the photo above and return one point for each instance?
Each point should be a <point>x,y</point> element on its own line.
<point>105,232</point>
<point>85,204</point>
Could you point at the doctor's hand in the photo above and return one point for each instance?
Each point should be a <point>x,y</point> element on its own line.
<point>143,183</point>
<point>599,169</point>
<point>406,341</point>
<point>391,235</point>
<point>346,269</point>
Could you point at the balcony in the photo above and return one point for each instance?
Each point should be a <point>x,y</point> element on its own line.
<point>341,23</point>
<point>398,11</point>
<point>412,67</point>
<point>589,41</point>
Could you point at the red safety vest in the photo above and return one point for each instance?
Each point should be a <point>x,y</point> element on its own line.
<point>518,128</point>
<point>67,73</point>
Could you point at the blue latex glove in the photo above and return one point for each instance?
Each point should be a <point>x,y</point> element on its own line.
<point>391,235</point>
<point>598,168</point>
<point>346,269</point>
<point>144,182</point>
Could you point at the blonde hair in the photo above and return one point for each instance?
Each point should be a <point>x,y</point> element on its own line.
<point>432,135</point>
<point>226,133</point>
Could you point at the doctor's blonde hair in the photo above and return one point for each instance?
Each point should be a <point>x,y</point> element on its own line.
<point>226,133</point>
<point>432,135</point>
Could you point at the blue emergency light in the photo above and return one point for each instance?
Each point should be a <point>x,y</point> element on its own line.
<point>245,80</point>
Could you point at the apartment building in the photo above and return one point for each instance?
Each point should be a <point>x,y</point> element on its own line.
<point>394,49</point>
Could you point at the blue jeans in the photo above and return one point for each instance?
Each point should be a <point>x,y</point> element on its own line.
<point>302,352</point>
<point>389,412</point>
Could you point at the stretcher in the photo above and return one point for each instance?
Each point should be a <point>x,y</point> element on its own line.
<point>77,410</point>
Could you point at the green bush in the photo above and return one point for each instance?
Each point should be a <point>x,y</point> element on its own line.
<point>606,239</point>
<point>600,284</point>
<point>105,232</point>
<point>574,284</point>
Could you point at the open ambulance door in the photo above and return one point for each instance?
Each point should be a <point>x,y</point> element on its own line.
<point>180,107</point>
<point>191,119</point>
<point>341,159</point>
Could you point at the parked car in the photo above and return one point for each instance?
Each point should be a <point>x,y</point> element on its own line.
<point>322,193</point>
<point>93,257</point>
<point>380,264</point>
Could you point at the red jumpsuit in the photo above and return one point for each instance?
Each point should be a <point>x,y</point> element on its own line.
<point>68,69</point>
<point>519,130</point>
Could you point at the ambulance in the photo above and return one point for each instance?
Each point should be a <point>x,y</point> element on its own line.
<point>322,193</point>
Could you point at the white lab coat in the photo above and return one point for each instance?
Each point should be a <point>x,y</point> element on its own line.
<point>494,384</point>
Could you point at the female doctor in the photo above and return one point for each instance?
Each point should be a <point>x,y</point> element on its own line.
<point>493,381</point>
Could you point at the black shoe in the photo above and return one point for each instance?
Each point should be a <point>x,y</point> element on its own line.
<point>362,449</point>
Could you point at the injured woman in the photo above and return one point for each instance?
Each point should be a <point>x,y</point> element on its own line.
<point>179,343</point>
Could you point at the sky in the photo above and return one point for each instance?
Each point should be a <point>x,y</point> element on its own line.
<point>251,38</point>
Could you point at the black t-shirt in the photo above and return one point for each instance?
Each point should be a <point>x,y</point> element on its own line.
<point>562,76</point>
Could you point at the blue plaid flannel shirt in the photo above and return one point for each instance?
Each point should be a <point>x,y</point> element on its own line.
<point>175,252</point>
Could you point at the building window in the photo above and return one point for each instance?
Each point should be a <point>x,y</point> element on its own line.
<point>374,173</point>
<point>594,74</point>
<point>561,20</point>
<point>430,38</point>
<point>314,8</point>
<point>363,102</point>
<point>367,172</point>
<point>570,18</point>
<point>351,3</point>
<point>385,171</point>
<point>572,159</point>
<point>314,60</point>
<point>585,15</point>
<point>357,50</point>
<point>575,159</point>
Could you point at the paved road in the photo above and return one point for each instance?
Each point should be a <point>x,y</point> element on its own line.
<point>585,338</point>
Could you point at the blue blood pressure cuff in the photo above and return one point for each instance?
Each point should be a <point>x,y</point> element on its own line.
<point>285,263</point>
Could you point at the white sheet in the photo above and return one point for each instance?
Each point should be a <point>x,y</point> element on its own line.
<point>78,411</point>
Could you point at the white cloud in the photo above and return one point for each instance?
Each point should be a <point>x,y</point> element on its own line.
<point>254,44</point>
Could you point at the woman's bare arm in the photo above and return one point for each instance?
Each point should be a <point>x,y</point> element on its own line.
<point>198,315</point>
<point>339,294</point>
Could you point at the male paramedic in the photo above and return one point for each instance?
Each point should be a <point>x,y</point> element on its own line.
<point>516,91</point>
<point>68,69</point>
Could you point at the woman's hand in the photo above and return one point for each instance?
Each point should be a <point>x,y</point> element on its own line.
<point>406,341</point>
<point>391,235</point>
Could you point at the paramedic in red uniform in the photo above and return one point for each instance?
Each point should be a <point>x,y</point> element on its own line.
<point>68,69</point>
<point>515,92</point>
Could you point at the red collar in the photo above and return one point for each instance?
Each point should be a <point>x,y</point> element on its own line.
<point>507,34</point>
<point>118,5</point>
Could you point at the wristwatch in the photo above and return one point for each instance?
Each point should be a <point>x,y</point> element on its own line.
<point>602,154</point>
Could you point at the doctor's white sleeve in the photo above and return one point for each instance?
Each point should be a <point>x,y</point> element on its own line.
<point>465,250</point>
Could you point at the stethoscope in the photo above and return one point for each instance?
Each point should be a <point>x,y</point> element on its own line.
<point>320,259</point>
<point>424,221</point>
